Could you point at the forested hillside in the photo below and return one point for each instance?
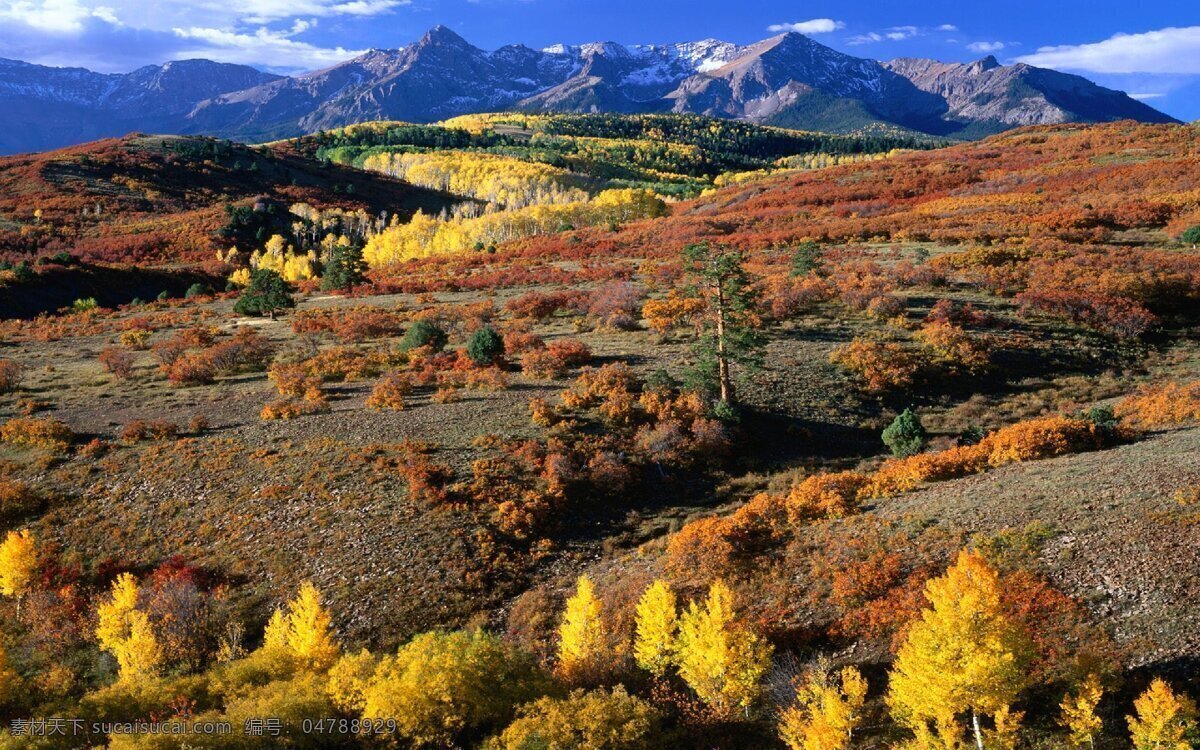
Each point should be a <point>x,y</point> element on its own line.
<point>648,432</point>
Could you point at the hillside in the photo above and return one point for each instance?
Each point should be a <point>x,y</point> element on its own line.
<point>457,475</point>
<point>155,199</point>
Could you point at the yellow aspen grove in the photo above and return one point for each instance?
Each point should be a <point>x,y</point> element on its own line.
<point>305,630</point>
<point>1079,713</point>
<point>656,625</point>
<point>1164,720</point>
<point>826,712</point>
<point>125,632</point>
<point>581,638</point>
<point>962,655</point>
<point>719,659</point>
<point>18,564</point>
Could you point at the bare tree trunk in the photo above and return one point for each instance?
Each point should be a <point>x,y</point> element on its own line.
<point>978,733</point>
<point>726,382</point>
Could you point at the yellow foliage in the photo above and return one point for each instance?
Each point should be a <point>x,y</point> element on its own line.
<point>1164,721</point>
<point>441,684</point>
<point>304,631</point>
<point>656,625</point>
<point>348,680</point>
<point>719,659</point>
<point>1079,713</point>
<point>597,720</point>
<point>277,256</point>
<point>962,655</point>
<point>500,180</point>
<point>18,563</point>
<point>240,277</point>
<point>425,235</point>
<point>826,713</point>
<point>124,631</point>
<point>581,637</point>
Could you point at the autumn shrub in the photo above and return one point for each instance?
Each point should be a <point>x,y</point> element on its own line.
<point>672,311</point>
<point>140,429</point>
<point>294,380</point>
<point>292,408</point>
<point>10,375</point>
<point>597,720</point>
<point>885,307</point>
<point>555,358</point>
<point>543,305</point>
<point>45,433</point>
<point>1161,406</point>
<point>390,392</point>
<point>486,379</point>
<point>824,496</point>
<point>518,342</point>
<point>137,339</point>
<point>17,501</point>
<point>191,368</point>
<point>117,361</point>
<point>881,365</point>
<point>352,325</point>
<point>616,305</point>
<point>790,296</point>
<point>954,347</point>
<point>247,351</point>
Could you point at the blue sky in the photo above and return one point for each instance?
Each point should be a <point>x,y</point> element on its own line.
<point>1149,48</point>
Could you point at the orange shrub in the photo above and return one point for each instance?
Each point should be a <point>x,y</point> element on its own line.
<point>1040,438</point>
<point>46,433</point>
<point>674,310</point>
<point>555,359</point>
<point>882,365</point>
<point>390,392</point>
<point>139,429</point>
<point>294,380</point>
<point>824,496</point>
<point>1161,406</point>
<point>117,361</point>
<point>953,346</point>
<point>192,368</point>
<point>291,408</point>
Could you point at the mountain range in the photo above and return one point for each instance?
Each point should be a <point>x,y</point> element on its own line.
<point>788,80</point>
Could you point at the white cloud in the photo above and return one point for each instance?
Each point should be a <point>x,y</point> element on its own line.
<point>894,34</point>
<point>264,11</point>
<point>988,47</point>
<point>1146,96</point>
<point>260,47</point>
<point>1164,51</point>
<point>947,27</point>
<point>814,26</point>
<point>53,16</point>
<point>868,38</point>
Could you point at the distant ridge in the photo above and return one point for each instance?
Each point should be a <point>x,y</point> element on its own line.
<point>787,80</point>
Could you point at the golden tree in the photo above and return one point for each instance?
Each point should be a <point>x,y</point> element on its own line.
<point>304,631</point>
<point>962,655</point>
<point>1164,721</point>
<point>718,658</point>
<point>125,632</point>
<point>18,564</point>
<point>656,626</point>
<point>1079,713</point>
<point>826,711</point>
<point>581,637</point>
